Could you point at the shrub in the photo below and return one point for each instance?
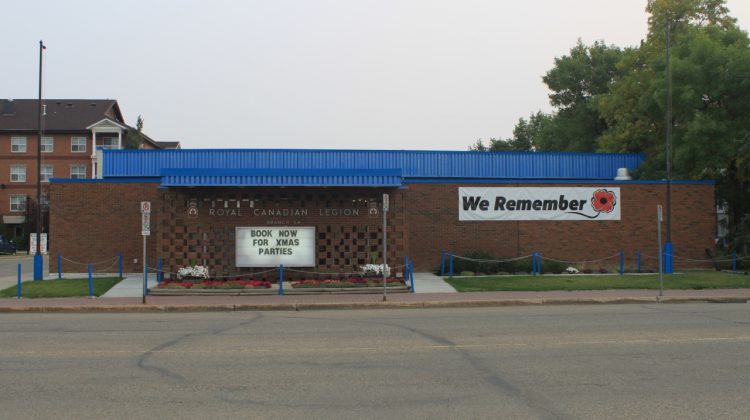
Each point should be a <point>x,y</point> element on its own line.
<point>553,267</point>
<point>466,273</point>
<point>460,265</point>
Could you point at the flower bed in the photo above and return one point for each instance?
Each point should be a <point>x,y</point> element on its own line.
<point>345,283</point>
<point>216,284</point>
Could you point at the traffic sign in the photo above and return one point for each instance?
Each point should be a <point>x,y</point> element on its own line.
<point>385,202</point>
<point>145,224</point>
<point>145,207</point>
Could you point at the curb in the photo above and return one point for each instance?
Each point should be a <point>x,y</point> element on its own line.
<point>363,305</point>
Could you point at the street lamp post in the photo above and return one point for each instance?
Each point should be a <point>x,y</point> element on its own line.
<point>669,261</point>
<point>38,259</point>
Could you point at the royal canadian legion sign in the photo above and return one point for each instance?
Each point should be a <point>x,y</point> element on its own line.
<point>263,246</point>
<point>541,203</point>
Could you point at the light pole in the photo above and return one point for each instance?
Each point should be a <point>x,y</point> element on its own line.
<point>669,261</point>
<point>38,259</point>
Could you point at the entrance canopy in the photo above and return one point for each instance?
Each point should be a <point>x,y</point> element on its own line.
<point>280,177</point>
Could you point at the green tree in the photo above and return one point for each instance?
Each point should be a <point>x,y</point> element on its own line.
<point>134,138</point>
<point>575,81</point>
<point>710,59</point>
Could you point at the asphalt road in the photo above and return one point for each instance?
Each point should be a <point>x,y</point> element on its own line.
<point>610,361</point>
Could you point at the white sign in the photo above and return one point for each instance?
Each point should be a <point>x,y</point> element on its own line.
<point>32,243</point>
<point>386,202</point>
<point>145,224</point>
<point>539,203</point>
<point>145,207</point>
<point>262,246</point>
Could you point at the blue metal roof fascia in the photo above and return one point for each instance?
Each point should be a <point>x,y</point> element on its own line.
<point>105,180</point>
<point>412,163</point>
<point>549,181</point>
<point>280,178</point>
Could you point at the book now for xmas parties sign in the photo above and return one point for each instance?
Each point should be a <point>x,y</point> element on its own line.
<point>538,203</point>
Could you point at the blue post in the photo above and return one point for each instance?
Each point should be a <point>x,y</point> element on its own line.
<point>539,262</point>
<point>442,264</point>
<point>668,258</point>
<point>638,255</point>
<point>38,266</point>
<point>451,266</point>
<point>734,261</point>
<point>622,260</point>
<point>59,266</point>
<point>145,279</point>
<point>281,280</point>
<point>411,276</point>
<point>18,288</point>
<point>119,263</point>
<point>91,283</point>
<point>158,272</point>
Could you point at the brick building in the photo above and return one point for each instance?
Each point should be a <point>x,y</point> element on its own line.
<point>73,129</point>
<point>321,210</point>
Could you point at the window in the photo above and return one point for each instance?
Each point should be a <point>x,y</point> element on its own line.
<point>109,142</point>
<point>17,202</point>
<point>77,171</point>
<point>47,172</point>
<point>48,144</point>
<point>18,144</point>
<point>18,173</point>
<point>78,144</point>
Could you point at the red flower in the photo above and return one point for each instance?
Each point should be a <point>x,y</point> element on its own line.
<point>603,201</point>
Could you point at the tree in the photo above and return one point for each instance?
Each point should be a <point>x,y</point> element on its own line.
<point>134,138</point>
<point>525,136</point>
<point>710,62</point>
<point>575,81</point>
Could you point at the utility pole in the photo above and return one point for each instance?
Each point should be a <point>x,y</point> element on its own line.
<point>668,245</point>
<point>38,258</point>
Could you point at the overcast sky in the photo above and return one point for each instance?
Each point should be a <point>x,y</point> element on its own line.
<point>360,74</point>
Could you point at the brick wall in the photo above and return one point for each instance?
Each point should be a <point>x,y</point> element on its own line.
<point>344,241</point>
<point>93,221</point>
<point>432,217</point>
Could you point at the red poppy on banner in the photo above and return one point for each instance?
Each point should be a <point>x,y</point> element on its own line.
<point>603,201</point>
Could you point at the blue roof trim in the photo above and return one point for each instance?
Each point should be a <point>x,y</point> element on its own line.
<point>280,178</point>
<point>548,181</point>
<point>413,164</point>
<point>106,180</point>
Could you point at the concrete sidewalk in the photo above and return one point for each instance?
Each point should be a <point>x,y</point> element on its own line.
<point>130,286</point>
<point>367,301</point>
<point>430,283</point>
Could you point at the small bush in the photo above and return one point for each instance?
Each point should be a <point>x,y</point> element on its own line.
<point>466,273</point>
<point>553,267</point>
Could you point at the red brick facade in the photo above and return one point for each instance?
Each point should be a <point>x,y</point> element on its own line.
<point>94,221</point>
<point>432,227</point>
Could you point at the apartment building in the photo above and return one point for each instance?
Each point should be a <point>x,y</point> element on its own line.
<point>73,130</point>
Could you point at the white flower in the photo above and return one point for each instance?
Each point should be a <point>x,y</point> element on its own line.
<point>571,270</point>
<point>371,270</point>
<point>196,271</point>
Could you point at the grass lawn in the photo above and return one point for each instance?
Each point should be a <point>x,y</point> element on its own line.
<point>60,288</point>
<point>687,280</point>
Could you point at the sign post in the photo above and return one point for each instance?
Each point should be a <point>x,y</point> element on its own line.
<point>385,245</point>
<point>658,238</point>
<point>145,231</point>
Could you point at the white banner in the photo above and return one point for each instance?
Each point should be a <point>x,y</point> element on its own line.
<point>262,246</point>
<point>539,203</point>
